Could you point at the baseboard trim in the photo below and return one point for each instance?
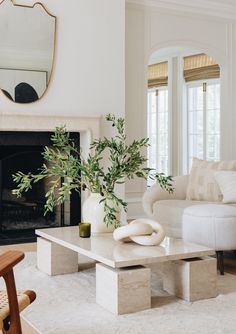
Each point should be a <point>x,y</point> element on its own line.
<point>135,208</point>
<point>134,200</point>
<point>135,217</point>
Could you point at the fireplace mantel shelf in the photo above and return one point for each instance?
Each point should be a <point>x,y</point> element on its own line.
<point>36,122</point>
<point>89,127</point>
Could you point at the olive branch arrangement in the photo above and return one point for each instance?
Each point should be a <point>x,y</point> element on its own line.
<point>64,161</point>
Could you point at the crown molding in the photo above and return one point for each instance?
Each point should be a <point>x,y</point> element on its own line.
<point>217,8</point>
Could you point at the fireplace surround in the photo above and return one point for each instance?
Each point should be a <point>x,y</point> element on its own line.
<point>19,217</point>
<point>28,134</point>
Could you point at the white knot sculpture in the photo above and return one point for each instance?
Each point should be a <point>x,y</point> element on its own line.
<point>144,232</point>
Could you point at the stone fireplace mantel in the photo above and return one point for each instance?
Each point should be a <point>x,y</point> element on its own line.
<point>88,127</point>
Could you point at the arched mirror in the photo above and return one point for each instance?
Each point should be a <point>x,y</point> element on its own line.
<point>27,45</point>
<point>183,109</point>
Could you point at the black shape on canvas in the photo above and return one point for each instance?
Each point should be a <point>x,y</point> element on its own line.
<point>7,94</point>
<point>25,93</point>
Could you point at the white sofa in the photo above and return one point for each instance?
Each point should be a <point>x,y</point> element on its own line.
<point>212,224</point>
<point>167,208</point>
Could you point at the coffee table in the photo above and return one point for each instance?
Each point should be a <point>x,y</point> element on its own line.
<point>122,280</point>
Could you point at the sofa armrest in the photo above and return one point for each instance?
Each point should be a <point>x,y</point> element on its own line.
<point>156,193</point>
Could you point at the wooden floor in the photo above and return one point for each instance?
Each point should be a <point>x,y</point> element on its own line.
<point>31,247</point>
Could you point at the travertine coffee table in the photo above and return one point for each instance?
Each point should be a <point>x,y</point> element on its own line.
<point>122,280</point>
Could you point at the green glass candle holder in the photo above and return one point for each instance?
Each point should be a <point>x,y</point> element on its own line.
<point>85,230</point>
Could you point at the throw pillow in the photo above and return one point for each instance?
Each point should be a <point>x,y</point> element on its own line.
<point>202,184</point>
<point>227,183</point>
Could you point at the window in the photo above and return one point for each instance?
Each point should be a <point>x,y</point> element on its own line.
<point>190,125</point>
<point>158,128</point>
<point>203,119</point>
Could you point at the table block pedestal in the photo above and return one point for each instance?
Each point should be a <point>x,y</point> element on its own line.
<point>124,290</point>
<point>54,259</point>
<point>191,279</point>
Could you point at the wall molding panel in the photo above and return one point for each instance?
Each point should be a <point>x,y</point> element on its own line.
<point>209,26</point>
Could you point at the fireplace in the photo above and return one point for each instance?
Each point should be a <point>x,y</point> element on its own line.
<point>19,217</point>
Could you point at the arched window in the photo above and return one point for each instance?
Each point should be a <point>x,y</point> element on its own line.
<point>183,111</point>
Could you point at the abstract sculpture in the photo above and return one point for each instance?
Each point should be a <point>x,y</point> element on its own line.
<point>144,232</point>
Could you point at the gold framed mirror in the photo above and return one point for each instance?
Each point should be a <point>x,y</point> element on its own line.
<point>27,49</point>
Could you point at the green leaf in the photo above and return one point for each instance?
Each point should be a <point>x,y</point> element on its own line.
<point>63,160</point>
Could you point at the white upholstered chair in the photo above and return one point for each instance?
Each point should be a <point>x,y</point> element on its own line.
<point>212,224</point>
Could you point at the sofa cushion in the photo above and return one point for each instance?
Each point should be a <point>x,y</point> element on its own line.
<point>202,184</point>
<point>227,183</point>
<point>169,213</point>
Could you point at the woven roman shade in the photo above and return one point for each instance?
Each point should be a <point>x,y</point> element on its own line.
<point>200,67</point>
<point>158,75</point>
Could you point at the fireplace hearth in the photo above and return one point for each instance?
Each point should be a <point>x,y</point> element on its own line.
<point>19,217</point>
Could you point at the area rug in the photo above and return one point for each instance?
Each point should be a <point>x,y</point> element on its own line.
<point>66,304</point>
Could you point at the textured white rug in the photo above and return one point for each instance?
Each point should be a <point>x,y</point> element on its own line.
<point>66,304</point>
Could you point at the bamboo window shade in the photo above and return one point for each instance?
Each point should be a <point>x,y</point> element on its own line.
<point>200,67</point>
<point>158,75</point>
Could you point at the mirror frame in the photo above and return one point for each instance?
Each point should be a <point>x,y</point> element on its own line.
<point>54,46</point>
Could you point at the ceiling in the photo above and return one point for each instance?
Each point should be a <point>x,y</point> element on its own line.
<point>220,8</point>
<point>226,2</point>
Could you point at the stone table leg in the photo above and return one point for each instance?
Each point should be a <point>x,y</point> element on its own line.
<point>124,290</point>
<point>191,279</point>
<point>54,259</point>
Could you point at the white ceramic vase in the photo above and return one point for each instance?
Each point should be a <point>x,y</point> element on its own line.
<point>93,212</point>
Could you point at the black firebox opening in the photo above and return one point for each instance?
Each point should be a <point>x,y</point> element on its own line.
<point>19,217</point>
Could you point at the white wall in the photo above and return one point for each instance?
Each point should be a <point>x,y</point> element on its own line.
<point>135,99</point>
<point>149,29</point>
<point>88,76</point>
